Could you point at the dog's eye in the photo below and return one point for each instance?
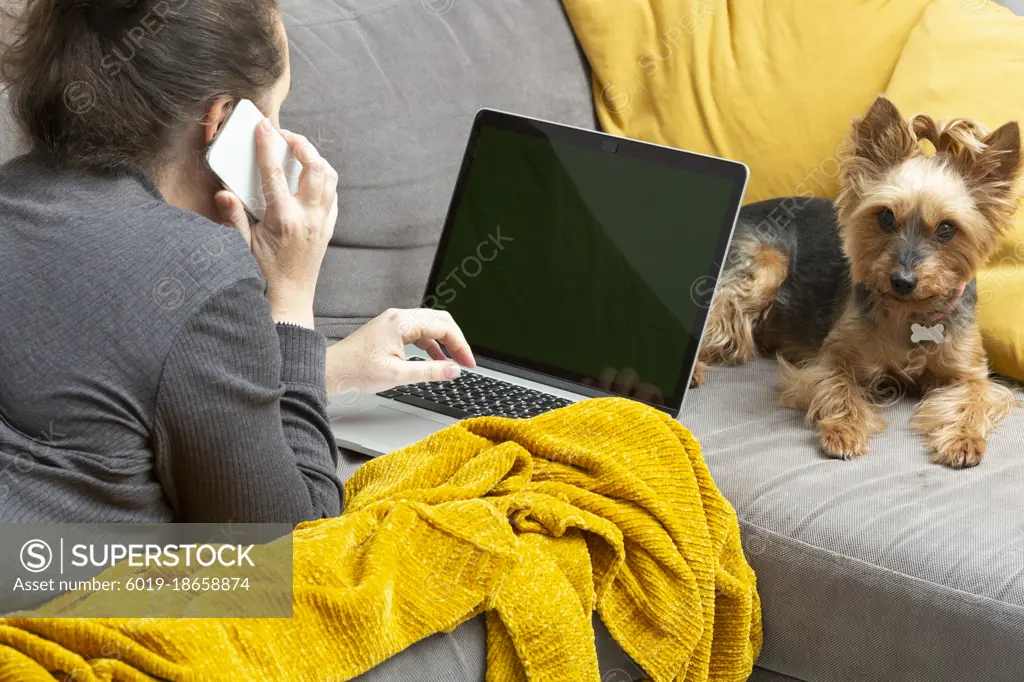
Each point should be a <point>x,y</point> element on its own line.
<point>945,231</point>
<point>887,220</point>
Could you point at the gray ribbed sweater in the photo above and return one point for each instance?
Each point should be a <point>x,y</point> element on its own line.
<point>142,377</point>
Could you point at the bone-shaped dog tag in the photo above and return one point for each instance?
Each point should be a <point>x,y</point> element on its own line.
<point>919,333</point>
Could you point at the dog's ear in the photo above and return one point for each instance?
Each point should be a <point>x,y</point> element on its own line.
<point>883,136</point>
<point>1000,162</point>
<point>993,175</point>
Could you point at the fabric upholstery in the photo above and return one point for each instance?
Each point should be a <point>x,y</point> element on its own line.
<point>763,675</point>
<point>388,90</point>
<point>888,567</point>
<point>773,84</point>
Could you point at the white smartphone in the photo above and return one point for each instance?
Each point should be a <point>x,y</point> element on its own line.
<point>232,157</point>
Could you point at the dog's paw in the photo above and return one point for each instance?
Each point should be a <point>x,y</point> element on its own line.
<point>844,441</point>
<point>960,452</point>
<point>698,375</point>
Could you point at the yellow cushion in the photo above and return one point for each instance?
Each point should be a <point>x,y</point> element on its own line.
<point>775,83</point>
<point>772,83</point>
<point>966,59</point>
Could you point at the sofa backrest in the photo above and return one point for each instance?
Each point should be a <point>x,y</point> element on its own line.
<point>387,89</point>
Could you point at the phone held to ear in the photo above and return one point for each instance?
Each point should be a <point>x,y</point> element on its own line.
<point>233,158</point>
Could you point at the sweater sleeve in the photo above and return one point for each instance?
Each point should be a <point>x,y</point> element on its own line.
<point>240,429</point>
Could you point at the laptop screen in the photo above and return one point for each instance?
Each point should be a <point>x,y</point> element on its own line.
<point>583,256</point>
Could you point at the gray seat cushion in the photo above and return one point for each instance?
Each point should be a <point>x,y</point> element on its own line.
<point>764,675</point>
<point>461,656</point>
<point>387,89</point>
<point>885,568</point>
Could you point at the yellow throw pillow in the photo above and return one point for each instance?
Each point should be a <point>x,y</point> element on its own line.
<point>772,83</point>
<point>966,59</point>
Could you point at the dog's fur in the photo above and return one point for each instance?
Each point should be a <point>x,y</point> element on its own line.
<point>810,281</point>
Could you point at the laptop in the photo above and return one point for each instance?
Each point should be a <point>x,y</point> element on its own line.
<point>578,265</point>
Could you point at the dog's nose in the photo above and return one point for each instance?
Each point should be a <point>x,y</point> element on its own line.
<point>903,283</point>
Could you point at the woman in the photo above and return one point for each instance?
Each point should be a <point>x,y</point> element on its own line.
<point>158,355</point>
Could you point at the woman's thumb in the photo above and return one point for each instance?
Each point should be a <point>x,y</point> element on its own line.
<point>232,214</point>
<point>429,370</point>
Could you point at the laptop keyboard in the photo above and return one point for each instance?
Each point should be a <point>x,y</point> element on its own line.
<point>476,395</point>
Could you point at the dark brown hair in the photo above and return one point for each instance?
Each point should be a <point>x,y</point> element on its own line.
<point>104,84</point>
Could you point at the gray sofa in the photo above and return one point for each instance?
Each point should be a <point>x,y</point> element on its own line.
<point>887,568</point>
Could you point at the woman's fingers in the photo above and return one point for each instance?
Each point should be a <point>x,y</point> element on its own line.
<point>318,181</point>
<point>330,193</point>
<point>424,323</point>
<point>374,354</point>
<point>274,183</point>
<point>291,138</point>
<point>233,214</point>
<point>313,179</point>
<point>332,221</point>
<point>433,349</point>
<point>290,242</point>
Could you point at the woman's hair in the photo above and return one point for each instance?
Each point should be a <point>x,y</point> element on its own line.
<point>103,84</point>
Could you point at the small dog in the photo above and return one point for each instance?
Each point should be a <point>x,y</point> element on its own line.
<point>878,287</point>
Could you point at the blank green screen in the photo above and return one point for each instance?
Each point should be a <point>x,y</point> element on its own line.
<point>580,260</point>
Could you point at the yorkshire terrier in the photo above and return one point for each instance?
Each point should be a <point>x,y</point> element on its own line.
<point>879,285</point>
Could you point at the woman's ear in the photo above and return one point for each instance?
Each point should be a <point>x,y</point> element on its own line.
<point>216,116</point>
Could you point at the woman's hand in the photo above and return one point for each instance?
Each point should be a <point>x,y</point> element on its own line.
<point>290,242</point>
<point>373,358</point>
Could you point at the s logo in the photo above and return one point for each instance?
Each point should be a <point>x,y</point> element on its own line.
<point>36,556</point>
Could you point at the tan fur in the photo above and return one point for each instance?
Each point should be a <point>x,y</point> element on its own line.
<point>968,178</point>
<point>742,299</point>
<point>698,374</point>
<point>961,405</point>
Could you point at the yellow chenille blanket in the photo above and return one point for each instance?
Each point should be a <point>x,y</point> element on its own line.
<point>606,504</point>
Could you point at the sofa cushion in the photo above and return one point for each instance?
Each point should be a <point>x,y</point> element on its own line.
<point>387,89</point>
<point>888,567</point>
<point>772,84</point>
<point>765,675</point>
